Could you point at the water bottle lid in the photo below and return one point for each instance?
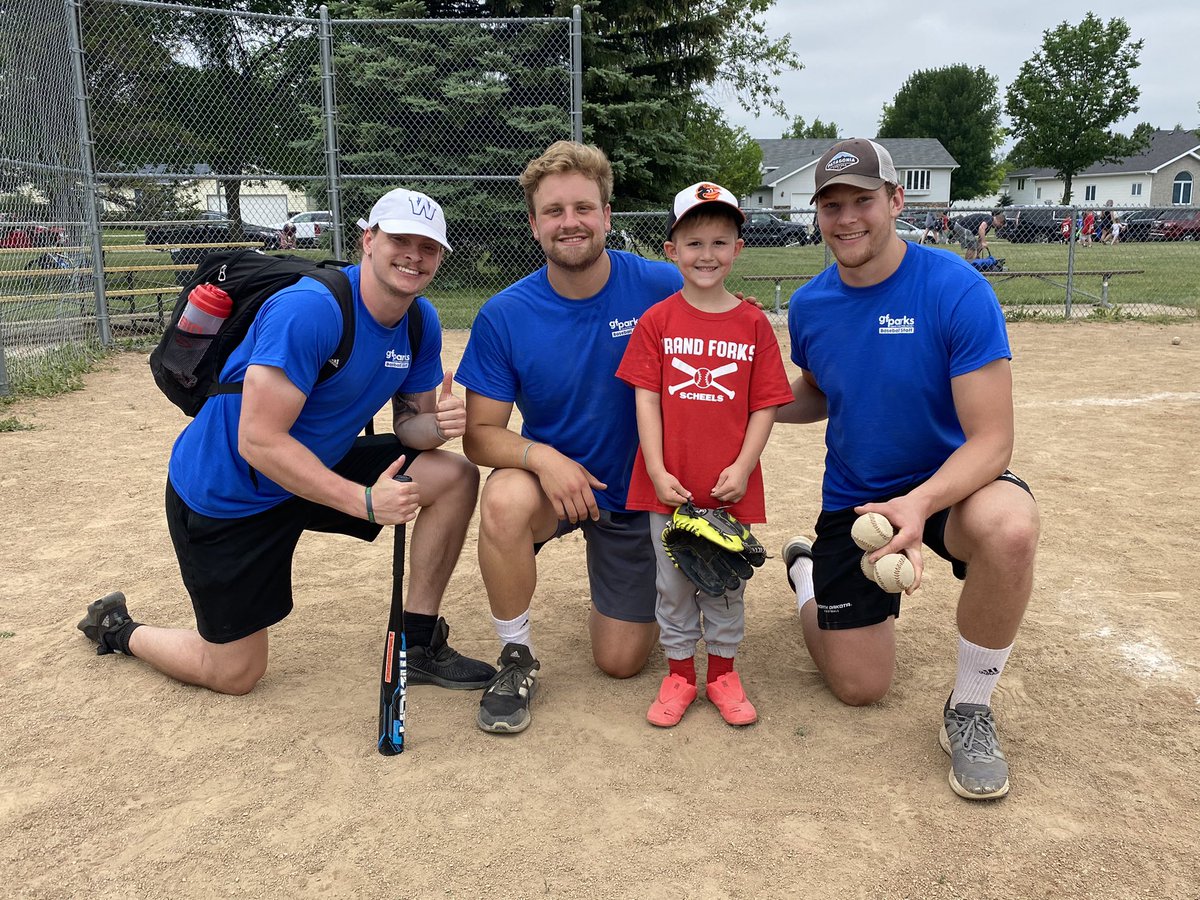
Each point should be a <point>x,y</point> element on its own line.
<point>212,299</point>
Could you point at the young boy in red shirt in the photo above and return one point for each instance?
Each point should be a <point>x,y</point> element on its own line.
<point>719,362</point>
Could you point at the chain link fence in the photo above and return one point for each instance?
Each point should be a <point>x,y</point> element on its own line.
<point>1043,269</point>
<point>146,135</point>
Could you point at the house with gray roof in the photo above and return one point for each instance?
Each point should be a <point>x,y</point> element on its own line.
<point>1165,174</point>
<point>789,167</point>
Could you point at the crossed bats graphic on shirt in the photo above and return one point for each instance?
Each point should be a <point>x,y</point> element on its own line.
<point>702,378</point>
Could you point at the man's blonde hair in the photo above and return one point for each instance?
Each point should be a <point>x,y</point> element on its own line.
<point>564,157</point>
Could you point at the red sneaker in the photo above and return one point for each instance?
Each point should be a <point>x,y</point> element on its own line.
<point>675,695</point>
<point>726,694</point>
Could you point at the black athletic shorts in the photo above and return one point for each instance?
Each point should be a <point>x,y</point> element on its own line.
<point>845,599</point>
<point>239,571</point>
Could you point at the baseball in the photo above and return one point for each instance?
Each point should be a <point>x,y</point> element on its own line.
<point>1176,341</point>
<point>871,531</point>
<point>868,569</point>
<point>894,573</point>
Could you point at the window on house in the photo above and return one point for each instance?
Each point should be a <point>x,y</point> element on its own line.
<point>916,180</point>
<point>1181,190</point>
<point>1135,189</point>
<point>1039,193</point>
<point>1020,184</point>
<point>1089,194</point>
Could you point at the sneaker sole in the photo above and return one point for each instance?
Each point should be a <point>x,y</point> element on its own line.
<point>799,546</point>
<point>98,609</point>
<point>416,676</point>
<point>944,743</point>
<point>500,726</point>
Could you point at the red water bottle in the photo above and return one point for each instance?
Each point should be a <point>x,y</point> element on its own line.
<point>207,308</point>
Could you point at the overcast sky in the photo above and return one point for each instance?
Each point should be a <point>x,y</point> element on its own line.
<point>856,56</point>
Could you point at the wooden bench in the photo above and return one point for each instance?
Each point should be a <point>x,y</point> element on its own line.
<point>128,293</point>
<point>779,280</point>
<point>1106,275</point>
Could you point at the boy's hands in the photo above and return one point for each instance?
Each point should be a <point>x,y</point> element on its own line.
<point>731,485</point>
<point>670,492</point>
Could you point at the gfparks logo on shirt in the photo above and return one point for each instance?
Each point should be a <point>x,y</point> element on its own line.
<point>622,327</point>
<point>394,360</point>
<point>902,325</point>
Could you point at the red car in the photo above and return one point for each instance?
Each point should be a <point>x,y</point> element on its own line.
<point>1182,224</point>
<point>26,235</point>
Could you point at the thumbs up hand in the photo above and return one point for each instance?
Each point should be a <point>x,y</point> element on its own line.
<point>451,415</point>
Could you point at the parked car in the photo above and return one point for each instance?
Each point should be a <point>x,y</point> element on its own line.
<point>1179,224</point>
<point>1033,224</point>
<point>1136,224</point>
<point>25,235</point>
<point>909,231</point>
<point>210,227</point>
<point>764,229</point>
<point>309,226</point>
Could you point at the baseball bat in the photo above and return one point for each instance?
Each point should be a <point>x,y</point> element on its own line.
<point>393,681</point>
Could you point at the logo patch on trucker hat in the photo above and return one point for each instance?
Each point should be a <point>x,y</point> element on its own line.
<point>841,161</point>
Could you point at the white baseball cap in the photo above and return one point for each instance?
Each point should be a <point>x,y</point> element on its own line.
<point>402,211</point>
<point>696,195</point>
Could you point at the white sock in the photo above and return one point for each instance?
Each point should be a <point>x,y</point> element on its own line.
<point>515,631</point>
<point>801,572</point>
<point>979,671</point>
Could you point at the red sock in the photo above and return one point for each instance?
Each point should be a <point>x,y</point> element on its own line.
<point>718,666</point>
<point>684,668</point>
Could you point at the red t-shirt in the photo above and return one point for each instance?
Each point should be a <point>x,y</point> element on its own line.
<point>718,368</point>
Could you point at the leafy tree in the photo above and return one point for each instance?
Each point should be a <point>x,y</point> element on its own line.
<point>818,129</point>
<point>1063,113</point>
<point>175,89</point>
<point>957,105</point>
<point>646,69</point>
<point>730,156</point>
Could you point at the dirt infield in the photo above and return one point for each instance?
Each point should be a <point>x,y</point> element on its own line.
<point>120,783</point>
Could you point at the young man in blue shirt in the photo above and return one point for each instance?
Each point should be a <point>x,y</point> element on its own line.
<point>255,469</point>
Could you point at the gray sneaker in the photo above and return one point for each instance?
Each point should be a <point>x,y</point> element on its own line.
<point>978,769</point>
<point>795,548</point>
<point>504,707</point>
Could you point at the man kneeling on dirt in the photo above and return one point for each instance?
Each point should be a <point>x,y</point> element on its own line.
<point>256,469</point>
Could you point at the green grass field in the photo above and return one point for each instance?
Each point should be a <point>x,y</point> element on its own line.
<point>1170,283</point>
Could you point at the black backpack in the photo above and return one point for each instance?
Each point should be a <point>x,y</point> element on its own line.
<point>186,366</point>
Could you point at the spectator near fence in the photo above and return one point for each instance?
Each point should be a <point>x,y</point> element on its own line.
<point>971,231</point>
<point>257,468</point>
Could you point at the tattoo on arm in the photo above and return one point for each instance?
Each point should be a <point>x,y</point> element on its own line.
<point>404,406</point>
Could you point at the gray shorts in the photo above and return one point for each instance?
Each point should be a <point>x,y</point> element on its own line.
<point>620,562</point>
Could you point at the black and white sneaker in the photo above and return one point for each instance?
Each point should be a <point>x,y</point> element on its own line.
<point>105,618</point>
<point>504,708</point>
<point>441,664</point>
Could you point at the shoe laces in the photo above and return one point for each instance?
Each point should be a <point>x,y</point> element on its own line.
<point>508,680</point>
<point>977,736</point>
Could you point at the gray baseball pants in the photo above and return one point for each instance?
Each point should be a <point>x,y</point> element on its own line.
<point>680,607</point>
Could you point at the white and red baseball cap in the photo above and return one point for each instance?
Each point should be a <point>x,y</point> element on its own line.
<point>402,211</point>
<point>697,195</point>
<point>858,162</point>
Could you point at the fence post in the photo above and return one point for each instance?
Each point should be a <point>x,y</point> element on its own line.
<point>88,164</point>
<point>1070,266</point>
<point>329,116</point>
<point>577,73</point>
<point>5,388</point>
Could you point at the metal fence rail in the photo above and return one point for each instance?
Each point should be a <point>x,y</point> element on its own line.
<point>140,136</point>
<point>1044,274</point>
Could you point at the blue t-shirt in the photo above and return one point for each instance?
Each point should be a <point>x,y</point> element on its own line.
<point>884,356</point>
<point>556,359</point>
<point>297,330</point>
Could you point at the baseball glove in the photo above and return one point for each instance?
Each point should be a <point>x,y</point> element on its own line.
<point>712,548</point>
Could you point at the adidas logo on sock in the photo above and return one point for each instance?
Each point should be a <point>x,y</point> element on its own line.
<point>991,671</point>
